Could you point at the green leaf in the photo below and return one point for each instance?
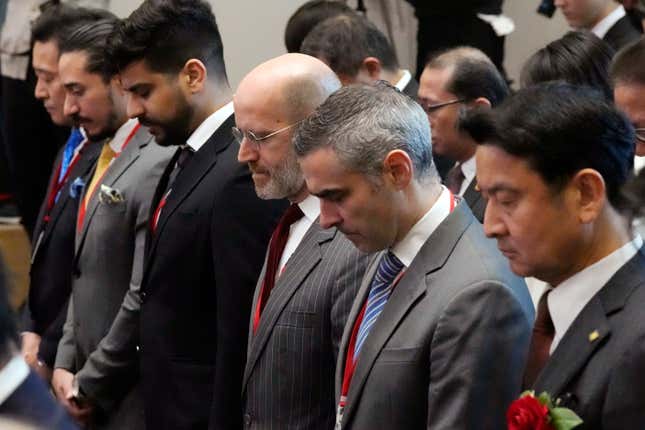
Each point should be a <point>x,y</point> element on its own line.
<point>564,419</point>
<point>545,399</point>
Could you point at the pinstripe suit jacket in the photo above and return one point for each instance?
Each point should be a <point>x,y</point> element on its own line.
<point>289,375</point>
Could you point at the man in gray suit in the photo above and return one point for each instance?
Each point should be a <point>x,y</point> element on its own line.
<point>452,83</point>
<point>553,161</point>
<point>440,327</point>
<point>306,290</point>
<point>95,375</point>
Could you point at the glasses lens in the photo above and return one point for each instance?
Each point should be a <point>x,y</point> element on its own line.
<point>640,134</point>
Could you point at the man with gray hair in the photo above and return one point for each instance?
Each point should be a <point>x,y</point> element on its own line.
<point>311,275</point>
<point>439,330</point>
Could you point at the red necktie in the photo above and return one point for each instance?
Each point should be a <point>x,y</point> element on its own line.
<point>543,332</point>
<point>278,242</point>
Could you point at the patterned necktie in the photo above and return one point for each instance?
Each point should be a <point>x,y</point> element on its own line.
<point>454,179</point>
<point>73,141</point>
<point>543,332</point>
<point>388,269</point>
<point>276,247</point>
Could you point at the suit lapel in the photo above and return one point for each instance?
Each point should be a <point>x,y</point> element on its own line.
<point>192,174</point>
<point>471,195</point>
<point>577,345</point>
<point>305,258</point>
<point>116,169</point>
<point>414,283</point>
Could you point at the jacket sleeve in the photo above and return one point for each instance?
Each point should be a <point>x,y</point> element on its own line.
<point>477,359</point>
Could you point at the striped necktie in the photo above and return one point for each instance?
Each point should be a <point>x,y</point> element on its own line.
<point>388,269</point>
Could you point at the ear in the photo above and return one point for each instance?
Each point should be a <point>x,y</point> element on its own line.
<point>591,194</point>
<point>481,102</point>
<point>372,66</point>
<point>398,169</point>
<point>193,75</point>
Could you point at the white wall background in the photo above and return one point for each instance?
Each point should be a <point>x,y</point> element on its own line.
<point>252,30</point>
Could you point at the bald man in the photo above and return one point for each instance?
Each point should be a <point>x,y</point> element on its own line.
<point>311,274</point>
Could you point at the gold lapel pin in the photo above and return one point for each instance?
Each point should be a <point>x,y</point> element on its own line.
<point>594,335</point>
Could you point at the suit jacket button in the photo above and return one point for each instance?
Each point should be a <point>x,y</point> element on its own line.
<point>247,420</point>
<point>143,295</point>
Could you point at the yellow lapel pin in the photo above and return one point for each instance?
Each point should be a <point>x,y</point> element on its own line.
<point>594,335</point>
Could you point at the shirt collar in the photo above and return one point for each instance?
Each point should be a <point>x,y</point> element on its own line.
<point>568,299</point>
<point>119,139</point>
<point>469,169</point>
<point>605,24</point>
<point>11,376</point>
<point>310,207</point>
<point>405,79</point>
<point>206,129</point>
<point>409,247</point>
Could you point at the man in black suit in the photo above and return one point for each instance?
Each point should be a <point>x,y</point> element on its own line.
<point>53,241</point>
<point>605,18</point>
<point>553,161</point>
<point>23,396</point>
<point>452,83</point>
<point>208,231</point>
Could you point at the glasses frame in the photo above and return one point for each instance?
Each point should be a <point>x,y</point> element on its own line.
<point>640,134</point>
<point>435,107</point>
<point>239,135</point>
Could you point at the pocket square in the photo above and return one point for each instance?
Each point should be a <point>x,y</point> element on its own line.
<point>76,189</point>
<point>110,196</point>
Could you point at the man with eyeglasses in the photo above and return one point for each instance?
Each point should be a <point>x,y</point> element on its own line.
<point>628,77</point>
<point>208,230</point>
<point>452,83</point>
<point>311,274</point>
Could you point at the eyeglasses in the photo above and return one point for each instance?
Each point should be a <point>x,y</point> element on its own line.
<point>437,106</point>
<point>239,135</point>
<point>640,134</point>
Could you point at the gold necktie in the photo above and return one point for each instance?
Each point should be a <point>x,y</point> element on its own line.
<point>107,154</point>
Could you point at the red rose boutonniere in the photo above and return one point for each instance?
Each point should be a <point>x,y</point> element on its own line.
<point>539,413</point>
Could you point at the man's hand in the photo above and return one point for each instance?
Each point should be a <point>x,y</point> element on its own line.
<point>63,383</point>
<point>30,345</point>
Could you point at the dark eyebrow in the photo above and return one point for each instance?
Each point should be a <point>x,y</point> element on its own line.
<point>138,87</point>
<point>329,194</point>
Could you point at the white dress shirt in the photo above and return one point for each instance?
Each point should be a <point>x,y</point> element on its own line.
<point>210,125</point>
<point>605,24</point>
<point>119,139</point>
<point>568,299</point>
<point>11,376</point>
<point>405,79</point>
<point>311,208</point>
<point>411,244</point>
<point>469,169</point>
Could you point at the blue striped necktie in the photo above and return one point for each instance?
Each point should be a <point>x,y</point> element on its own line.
<point>388,269</point>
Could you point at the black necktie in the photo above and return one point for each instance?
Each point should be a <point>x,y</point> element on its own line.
<point>543,332</point>
<point>455,178</point>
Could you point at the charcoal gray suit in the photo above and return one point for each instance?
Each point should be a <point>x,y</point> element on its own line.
<point>100,336</point>
<point>598,367</point>
<point>289,376</point>
<point>448,349</point>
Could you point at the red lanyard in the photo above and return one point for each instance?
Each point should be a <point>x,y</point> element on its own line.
<point>57,185</point>
<point>157,214</point>
<point>82,207</point>
<point>350,360</point>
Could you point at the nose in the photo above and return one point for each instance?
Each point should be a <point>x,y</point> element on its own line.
<point>247,152</point>
<point>134,108</point>
<point>329,214</point>
<point>70,107</point>
<point>493,225</point>
<point>40,92</point>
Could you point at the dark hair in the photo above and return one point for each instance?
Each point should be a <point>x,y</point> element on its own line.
<point>474,74</point>
<point>91,38</point>
<point>8,331</point>
<point>579,58</point>
<point>168,33</point>
<point>62,19</point>
<point>307,17</point>
<point>559,129</point>
<point>344,41</point>
<point>629,64</point>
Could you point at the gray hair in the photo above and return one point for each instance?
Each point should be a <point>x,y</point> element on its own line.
<point>363,123</point>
